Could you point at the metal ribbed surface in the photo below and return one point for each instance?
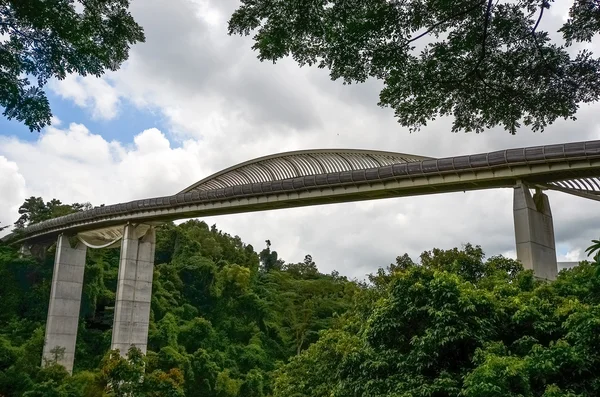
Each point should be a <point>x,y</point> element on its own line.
<point>581,185</point>
<point>299,164</point>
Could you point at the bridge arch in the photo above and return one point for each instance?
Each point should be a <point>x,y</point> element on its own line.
<point>300,163</point>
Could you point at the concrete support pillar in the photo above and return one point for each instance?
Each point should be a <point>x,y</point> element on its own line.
<point>534,233</point>
<point>134,291</point>
<point>65,301</point>
<point>24,251</point>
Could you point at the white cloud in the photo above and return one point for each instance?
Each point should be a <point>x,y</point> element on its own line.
<point>572,256</point>
<point>89,92</point>
<point>75,165</point>
<point>152,141</point>
<point>76,143</point>
<point>222,106</point>
<point>12,191</point>
<point>55,121</point>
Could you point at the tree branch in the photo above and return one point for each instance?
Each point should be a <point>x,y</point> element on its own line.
<point>537,44</point>
<point>12,29</point>
<point>542,7</point>
<point>486,25</point>
<point>435,25</point>
<point>537,23</point>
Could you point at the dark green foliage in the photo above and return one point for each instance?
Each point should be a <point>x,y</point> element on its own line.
<point>47,39</point>
<point>223,325</point>
<point>219,324</point>
<point>304,269</point>
<point>269,259</point>
<point>34,210</point>
<point>25,290</point>
<point>458,325</point>
<point>488,63</point>
<point>594,249</point>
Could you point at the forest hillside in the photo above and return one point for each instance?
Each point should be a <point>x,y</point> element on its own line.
<point>228,320</point>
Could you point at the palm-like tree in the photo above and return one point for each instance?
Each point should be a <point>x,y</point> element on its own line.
<point>594,248</point>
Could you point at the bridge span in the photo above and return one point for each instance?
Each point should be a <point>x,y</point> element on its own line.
<point>294,179</point>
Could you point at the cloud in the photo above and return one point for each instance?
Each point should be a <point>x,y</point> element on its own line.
<point>222,106</point>
<point>92,93</point>
<point>571,256</point>
<point>75,165</point>
<point>12,191</point>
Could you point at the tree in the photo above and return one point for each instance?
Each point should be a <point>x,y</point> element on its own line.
<point>219,326</point>
<point>383,276</point>
<point>269,259</point>
<point>485,62</point>
<point>127,377</point>
<point>52,39</point>
<point>594,249</point>
<point>307,305</point>
<point>304,269</point>
<point>34,210</point>
<point>459,325</point>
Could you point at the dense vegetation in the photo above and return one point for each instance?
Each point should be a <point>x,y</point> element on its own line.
<point>228,321</point>
<point>487,62</point>
<point>459,326</point>
<point>223,316</point>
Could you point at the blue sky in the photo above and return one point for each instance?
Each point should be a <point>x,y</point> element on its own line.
<point>129,121</point>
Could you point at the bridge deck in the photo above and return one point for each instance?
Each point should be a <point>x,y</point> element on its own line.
<point>256,185</point>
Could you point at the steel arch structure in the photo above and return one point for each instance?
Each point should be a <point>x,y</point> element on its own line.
<point>296,179</point>
<point>302,163</point>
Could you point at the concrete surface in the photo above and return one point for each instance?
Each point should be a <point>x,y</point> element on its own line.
<point>65,301</point>
<point>534,233</point>
<point>134,290</point>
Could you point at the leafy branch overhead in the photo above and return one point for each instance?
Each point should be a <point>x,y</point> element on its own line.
<point>487,63</point>
<point>46,39</point>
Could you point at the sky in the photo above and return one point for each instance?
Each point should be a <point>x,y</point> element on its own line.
<point>193,100</point>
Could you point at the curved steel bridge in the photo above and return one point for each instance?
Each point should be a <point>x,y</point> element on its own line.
<point>296,179</point>
<point>312,177</point>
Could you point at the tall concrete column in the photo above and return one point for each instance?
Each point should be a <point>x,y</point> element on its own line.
<point>534,233</point>
<point>134,291</point>
<point>65,301</point>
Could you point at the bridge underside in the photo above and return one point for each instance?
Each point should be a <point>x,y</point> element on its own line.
<point>298,179</point>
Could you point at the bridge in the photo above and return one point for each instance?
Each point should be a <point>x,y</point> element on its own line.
<point>294,179</point>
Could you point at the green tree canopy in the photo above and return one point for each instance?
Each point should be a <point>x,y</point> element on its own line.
<point>35,210</point>
<point>458,325</point>
<point>220,321</point>
<point>485,62</point>
<point>50,39</point>
<point>454,324</point>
